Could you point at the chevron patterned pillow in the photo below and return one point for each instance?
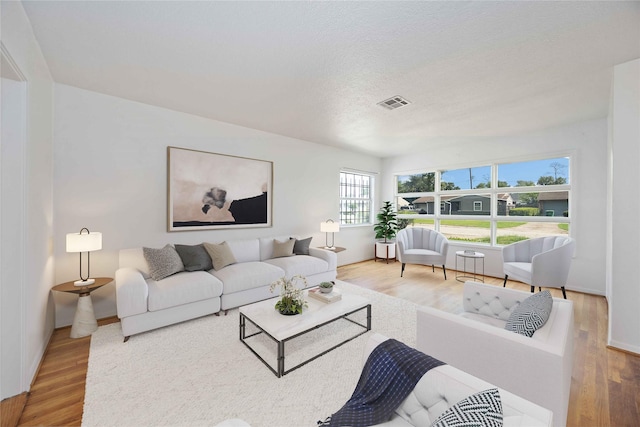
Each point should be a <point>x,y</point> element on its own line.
<point>531,314</point>
<point>483,409</point>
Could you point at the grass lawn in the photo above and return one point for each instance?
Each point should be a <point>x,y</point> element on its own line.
<point>501,240</point>
<point>471,223</point>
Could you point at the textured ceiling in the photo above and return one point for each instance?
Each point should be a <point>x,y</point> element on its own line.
<point>316,70</point>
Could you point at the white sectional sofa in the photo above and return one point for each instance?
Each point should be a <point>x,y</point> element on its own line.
<point>538,368</point>
<point>144,304</point>
<point>444,386</point>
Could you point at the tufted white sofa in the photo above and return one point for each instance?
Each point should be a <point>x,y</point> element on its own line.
<point>537,368</point>
<point>444,386</point>
<point>144,304</point>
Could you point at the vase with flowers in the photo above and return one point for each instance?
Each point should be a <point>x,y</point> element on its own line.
<point>291,296</point>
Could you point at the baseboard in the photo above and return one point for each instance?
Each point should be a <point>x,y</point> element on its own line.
<point>625,348</point>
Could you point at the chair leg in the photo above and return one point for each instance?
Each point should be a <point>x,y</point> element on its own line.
<point>445,272</point>
<point>433,268</point>
<point>402,271</point>
<point>533,289</point>
<point>564,294</point>
<point>504,285</point>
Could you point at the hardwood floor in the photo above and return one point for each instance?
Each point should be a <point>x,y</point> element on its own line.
<point>605,382</point>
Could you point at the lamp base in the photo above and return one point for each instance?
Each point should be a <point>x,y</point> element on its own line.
<point>84,282</point>
<point>330,248</point>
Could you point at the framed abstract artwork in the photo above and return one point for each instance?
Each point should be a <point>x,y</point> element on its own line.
<point>211,191</point>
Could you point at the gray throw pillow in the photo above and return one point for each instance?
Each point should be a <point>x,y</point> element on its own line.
<point>282,249</point>
<point>162,262</point>
<point>194,258</point>
<point>301,247</point>
<point>531,314</point>
<point>221,255</point>
<point>483,409</point>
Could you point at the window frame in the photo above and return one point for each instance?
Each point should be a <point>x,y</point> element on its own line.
<point>345,199</point>
<point>494,192</point>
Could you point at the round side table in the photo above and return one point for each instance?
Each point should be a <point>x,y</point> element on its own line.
<point>465,274</point>
<point>84,321</point>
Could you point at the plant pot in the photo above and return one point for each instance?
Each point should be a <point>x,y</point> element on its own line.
<point>288,313</point>
<point>385,251</point>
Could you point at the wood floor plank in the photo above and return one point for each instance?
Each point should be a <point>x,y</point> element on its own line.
<point>604,386</point>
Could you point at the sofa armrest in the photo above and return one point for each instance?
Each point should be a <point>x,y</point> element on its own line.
<point>524,366</point>
<point>131,292</point>
<point>329,256</point>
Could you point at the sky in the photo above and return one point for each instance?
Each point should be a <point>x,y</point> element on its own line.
<point>510,172</point>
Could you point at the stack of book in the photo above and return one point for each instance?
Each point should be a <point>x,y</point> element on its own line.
<point>328,298</point>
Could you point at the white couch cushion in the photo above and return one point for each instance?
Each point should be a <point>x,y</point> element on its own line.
<point>247,275</point>
<point>182,288</point>
<point>245,250</point>
<point>300,264</point>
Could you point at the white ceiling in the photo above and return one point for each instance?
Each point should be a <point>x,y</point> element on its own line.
<point>316,70</point>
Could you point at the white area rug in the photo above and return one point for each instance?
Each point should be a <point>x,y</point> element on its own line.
<point>198,373</point>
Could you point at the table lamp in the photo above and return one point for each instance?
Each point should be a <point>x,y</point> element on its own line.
<point>329,227</point>
<point>84,242</point>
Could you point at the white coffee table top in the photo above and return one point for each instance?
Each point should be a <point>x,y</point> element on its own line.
<point>281,327</point>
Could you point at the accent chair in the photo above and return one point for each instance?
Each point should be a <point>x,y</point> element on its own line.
<point>543,261</point>
<point>419,245</point>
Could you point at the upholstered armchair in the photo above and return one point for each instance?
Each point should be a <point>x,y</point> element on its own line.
<point>537,368</point>
<point>419,245</point>
<point>543,261</point>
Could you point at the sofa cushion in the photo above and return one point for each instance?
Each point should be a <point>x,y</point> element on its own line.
<point>182,288</point>
<point>531,314</point>
<point>300,264</point>
<point>480,409</point>
<point>247,275</point>
<point>221,255</point>
<point>301,247</point>
<point>162,262</point>
<point>245,250</point>
<point>283,249</point>
<point>194,258</point>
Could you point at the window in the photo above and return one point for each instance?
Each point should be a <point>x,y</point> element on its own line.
<point>495,204</point>
<point>355,198</point>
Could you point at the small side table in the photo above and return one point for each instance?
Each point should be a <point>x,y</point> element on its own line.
<point>336,249</point>
<point>84,321</point>
<point>465,274</point>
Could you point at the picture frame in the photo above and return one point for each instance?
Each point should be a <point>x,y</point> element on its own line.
<point>208,191</point>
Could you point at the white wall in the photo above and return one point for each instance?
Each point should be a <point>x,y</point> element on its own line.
<point>586,142</point>
<point>624,289</point>
<point>27,192</point>
<point>111,176</point>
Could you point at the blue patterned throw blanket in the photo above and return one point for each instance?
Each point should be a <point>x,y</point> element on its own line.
<point>392,370</point>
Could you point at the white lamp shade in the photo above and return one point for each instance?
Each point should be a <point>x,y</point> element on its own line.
<point>77,242</point>
<point>329,227</point>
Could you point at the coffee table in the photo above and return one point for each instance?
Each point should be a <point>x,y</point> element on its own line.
<point>281,329</point>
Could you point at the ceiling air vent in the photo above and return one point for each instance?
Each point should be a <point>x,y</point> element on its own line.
<point>393,103</point>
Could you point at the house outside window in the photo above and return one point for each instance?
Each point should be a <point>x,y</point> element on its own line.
<point>356,192</point>
<point>494,204</point>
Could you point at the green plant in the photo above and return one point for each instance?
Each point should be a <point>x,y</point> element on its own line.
<point>387,225</point>
<point>326,285</point>
<point>524,212</point>
<point>292,298</point>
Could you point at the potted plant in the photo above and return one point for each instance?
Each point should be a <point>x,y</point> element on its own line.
<point>386,228</point>
<point>292,297</point>
<point>326,287</point>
